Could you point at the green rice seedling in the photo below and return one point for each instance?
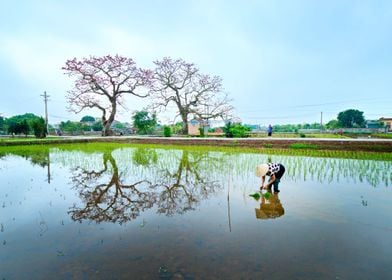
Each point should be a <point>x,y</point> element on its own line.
<point>213,162</point>
<point>267,195</point>
<point>303,146</point>
<point>255,195</point>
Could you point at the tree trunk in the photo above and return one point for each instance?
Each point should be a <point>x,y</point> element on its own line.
<point>106,129</point>
<point>184,118</point>
<point>107,123</point>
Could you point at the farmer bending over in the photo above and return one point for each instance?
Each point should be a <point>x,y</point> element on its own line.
<point>274,170</point>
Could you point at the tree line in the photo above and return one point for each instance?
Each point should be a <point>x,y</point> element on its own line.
<point>350,118</point>
<point>24,125</point>
<point>144,122</point>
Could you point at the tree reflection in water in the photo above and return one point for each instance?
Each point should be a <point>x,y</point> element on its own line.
<point>37,157</point>
<point>113,200</point>
<point>171,191</point>
<point>185,187</point>
<point>40,157</point>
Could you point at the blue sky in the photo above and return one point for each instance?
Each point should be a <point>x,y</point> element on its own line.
<point>280,61</point>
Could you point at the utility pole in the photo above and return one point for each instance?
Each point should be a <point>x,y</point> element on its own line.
<point>321,121</point>
<point>46,110</point>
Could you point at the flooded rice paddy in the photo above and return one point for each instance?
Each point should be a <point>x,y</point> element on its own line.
<point>145,213</point>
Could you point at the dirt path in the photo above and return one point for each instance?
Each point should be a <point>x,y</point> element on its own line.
<point>369,145</point>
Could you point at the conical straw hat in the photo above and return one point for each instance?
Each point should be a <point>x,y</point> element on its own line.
<point>261,170</point>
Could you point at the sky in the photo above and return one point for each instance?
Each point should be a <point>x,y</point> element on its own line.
<point>281,61</point>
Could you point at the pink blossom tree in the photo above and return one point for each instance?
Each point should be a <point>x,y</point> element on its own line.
<point>102,83</point>
<point>181,83</point>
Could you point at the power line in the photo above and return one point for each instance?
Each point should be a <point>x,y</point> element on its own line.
<point>321,104</point>
<point>280,117</point>
<point>337,102</point>
<point>58,117</point>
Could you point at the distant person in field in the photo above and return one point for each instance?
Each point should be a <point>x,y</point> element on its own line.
<point>274,171</point>
<point>269,130</point>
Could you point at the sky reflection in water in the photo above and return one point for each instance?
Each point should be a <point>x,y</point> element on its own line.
<point>183,214</point>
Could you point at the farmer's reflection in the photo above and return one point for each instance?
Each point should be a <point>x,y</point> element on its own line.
<point>107,198</point>
<point>270,207</point>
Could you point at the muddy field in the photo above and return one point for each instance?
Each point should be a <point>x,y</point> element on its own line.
<point>354,145</point>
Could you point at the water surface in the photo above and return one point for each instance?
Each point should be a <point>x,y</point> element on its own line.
<point>143,213</point>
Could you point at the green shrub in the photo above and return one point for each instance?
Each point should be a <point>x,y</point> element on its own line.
<point>201,130</point>
<point>238,130</point>
<point>227,130</point>
<point>39,128</point>
<point>167,131</point>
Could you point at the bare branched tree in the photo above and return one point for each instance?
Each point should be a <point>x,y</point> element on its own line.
<point>181,83</point>
<point>102,83</point>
